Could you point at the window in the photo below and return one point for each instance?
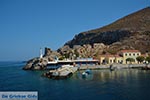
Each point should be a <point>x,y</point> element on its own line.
<point>129,54</point>
<point>133,54</point>
<point>126,54</point>
<point>114,61</point>
<point>138,54</point>
<point>110,60</point>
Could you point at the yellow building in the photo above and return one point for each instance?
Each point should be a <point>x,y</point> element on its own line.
<point>110,59</point>
<point>120,57</point>
<point>129,54</point>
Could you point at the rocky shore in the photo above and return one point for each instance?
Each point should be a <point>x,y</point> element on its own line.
<point>78,51</point>
<point>36,64</point>
<point>115,66</point>
<point>41,63</point>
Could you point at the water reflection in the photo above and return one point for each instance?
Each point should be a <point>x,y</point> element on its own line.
<point>107,75</point>
<point>124,84</point>
<point>88,77</point>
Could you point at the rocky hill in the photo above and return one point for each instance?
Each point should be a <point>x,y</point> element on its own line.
<point>129,32</point>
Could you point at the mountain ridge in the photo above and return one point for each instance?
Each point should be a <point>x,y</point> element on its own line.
<point>118,31</point>
<point>139,14</point>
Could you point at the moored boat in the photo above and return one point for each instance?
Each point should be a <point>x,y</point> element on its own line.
<point>86,73</point>
<point>64,71</point>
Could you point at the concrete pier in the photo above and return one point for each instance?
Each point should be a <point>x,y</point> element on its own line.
<point>117,66</point>
<point>62,72</point>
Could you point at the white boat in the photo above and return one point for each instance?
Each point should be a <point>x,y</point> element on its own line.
<point>63,72</point>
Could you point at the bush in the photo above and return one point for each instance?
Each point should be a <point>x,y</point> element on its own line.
<point>62,58</point>
<point>140,59</point>
<point>130,60</point>
<point>148,59</point>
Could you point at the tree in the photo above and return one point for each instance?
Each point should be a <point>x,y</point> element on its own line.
<point>76,53</point>
<point>148,59</point>
<point>66,55</point>
<point>61,58</point>
<point>130,60</point>
<point>140,59</point>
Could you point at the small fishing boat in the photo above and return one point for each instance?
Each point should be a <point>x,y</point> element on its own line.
<point>86,73</point>
<point>112,68</point>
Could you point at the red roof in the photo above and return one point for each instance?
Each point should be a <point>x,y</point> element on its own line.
<point>144,55</point>
<point>129,51</point>
<point>107,55</point>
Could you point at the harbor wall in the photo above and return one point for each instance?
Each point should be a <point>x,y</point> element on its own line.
<point>117,66</point>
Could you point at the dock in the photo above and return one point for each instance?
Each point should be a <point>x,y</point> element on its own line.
<point>62,72</point>
<point>116,66</point>
<point>71,62</point>
<point>66,71</point>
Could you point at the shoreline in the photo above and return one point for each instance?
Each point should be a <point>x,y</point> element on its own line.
<point>112,67</point>
<point>116,66</point>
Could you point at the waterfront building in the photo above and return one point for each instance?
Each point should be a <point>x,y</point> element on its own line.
<point>120,57</point>
<point>129,54</point>
<point>110,59</point>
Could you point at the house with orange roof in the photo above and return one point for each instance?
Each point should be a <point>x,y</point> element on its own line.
<point>120,57</point>
<point>129,54</point>
<point>110,59</point>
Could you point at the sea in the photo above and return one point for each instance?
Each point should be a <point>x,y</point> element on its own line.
<point>125,84</point>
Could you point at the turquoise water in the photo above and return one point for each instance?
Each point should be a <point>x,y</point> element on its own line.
<point>132,84</point>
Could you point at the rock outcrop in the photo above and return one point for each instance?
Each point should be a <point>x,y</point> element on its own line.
<point>36,64</point>
<point>41,63</point>
<point>84,51</point>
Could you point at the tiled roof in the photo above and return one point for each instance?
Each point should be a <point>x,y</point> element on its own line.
<point>129,51</point>
<point>144,55</point>
<point>107,55</point>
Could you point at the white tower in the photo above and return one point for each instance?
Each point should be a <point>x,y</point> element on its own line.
<point>41,53</point>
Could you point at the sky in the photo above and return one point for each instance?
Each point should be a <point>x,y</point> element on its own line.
<point>28,25</point>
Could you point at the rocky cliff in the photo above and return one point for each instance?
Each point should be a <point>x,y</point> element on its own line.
<point>129,32</point>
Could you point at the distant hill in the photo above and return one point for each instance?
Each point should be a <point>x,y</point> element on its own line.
<point>129,32</point>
